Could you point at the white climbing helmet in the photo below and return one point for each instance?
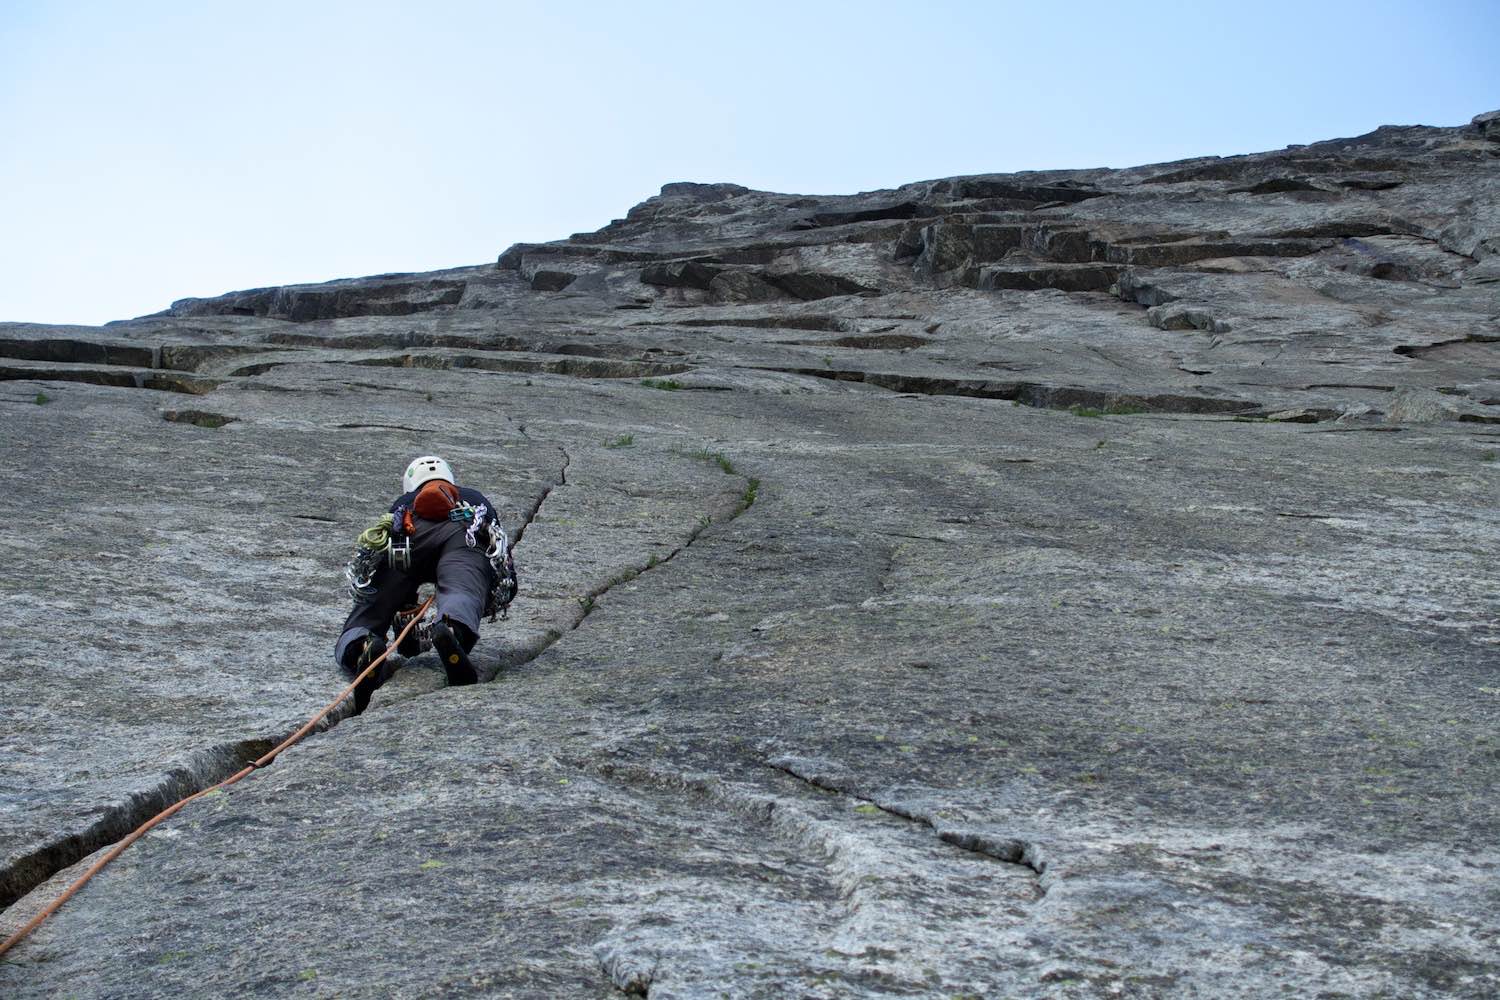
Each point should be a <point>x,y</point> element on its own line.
<point>425,469</point>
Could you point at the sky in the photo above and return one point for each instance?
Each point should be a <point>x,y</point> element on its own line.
<point>151,151</point>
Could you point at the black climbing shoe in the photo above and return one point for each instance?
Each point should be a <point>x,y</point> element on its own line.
<point>450,649</point>
<point>374,646</point>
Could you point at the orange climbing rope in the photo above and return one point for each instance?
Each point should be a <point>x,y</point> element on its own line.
<point>172,810</point>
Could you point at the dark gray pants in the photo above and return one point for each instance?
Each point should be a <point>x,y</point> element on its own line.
<point>438,555</point>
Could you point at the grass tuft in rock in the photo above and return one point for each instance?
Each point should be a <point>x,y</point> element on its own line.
<point>752,490</point>
<point>623,441</point>
<point>41,399</point>
<point>624,576</point>
<point>1490,456</point>
<point>719,459</point>
<point>665,384</point>
<point>704,455</point>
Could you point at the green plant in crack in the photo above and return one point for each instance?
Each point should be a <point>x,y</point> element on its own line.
<point>623,441</point>
<point>747,499</point>
<point>665,384</point>
<point>717,457</point>
<point>41,399</point>
<point>624,576</point>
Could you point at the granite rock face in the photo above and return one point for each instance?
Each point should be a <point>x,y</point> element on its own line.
<point>1064,584</point>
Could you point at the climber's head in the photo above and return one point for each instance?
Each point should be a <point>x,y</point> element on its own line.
<point>425,469</point>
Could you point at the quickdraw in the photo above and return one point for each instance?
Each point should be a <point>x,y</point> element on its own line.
<point>359,572</point>
<point>503,565</point>
<point>477,517</point>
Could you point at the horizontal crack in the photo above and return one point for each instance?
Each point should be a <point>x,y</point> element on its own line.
<point>1038,395</point>
<point>197,772</point>
<point>1011,850</point>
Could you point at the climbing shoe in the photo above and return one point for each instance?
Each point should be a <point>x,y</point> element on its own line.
<point>448,639</point>
<point>373,647</point>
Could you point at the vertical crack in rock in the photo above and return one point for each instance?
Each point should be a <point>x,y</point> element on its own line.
<point>723,515</point>
<point>589,601</point>
<point>536,508</point>
<point>1012,850</point>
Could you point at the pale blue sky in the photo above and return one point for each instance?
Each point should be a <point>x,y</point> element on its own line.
<point>155,150</point>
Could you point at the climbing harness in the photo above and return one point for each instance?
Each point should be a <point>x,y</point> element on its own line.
<point>380,545</point>
<point>264,761</point>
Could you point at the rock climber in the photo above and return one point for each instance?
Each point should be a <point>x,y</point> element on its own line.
<point>436,532</point>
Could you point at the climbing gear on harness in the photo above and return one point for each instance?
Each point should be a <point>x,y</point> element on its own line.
<point>477,517</point>
<point>424,469</point>
<point>451,651</point>
<point>359,572</point>
<point>378,535</point>
<point>376,544</point>
<point>503,583</point>
<point>264,761</point>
